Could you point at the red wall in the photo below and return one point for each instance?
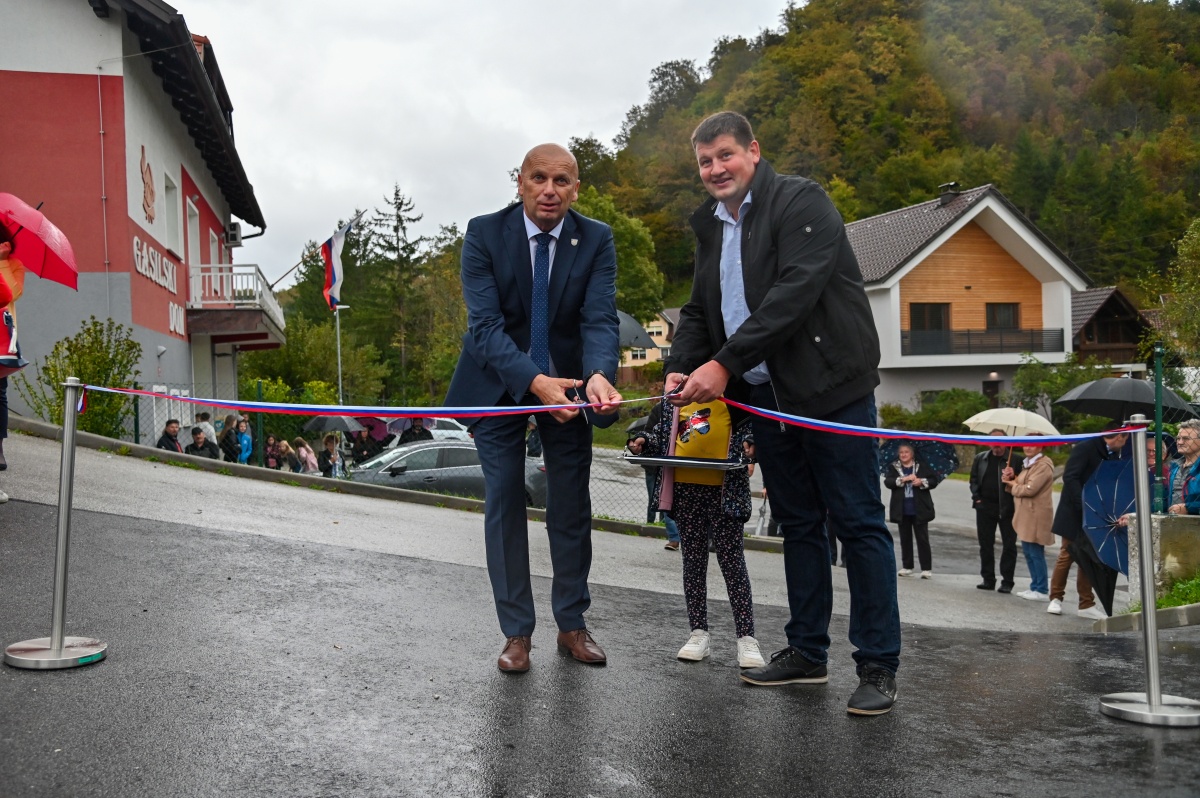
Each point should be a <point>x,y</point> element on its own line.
<point>50,153</point>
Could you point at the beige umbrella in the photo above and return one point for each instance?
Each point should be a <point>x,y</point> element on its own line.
<point>1013,420</point>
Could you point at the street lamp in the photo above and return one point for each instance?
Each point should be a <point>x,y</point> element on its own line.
<point>337,325</point>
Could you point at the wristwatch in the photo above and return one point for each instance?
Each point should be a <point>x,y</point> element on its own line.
<point>591,374</point>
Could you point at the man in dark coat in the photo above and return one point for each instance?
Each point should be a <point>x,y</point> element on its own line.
<point>169,439</point>
<point>1085,458</point>
<point>201,446</point>
<point>779,319</point>
<point>994,507</point>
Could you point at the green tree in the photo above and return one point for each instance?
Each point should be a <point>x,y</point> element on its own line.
<point>1180,311</point>
<point>1036,385</point>
<point>101,353</point>
<point>639,283</point>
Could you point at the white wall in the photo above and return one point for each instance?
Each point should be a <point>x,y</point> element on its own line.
<point>152,121</point>
<point>61,36</point>
<point>903,386</point>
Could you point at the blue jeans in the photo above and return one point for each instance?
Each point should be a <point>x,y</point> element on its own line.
<point>1035,558</point>
<point>808,474</point>
<point>672,529</point>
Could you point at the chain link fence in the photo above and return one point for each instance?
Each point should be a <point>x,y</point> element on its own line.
<point>618,488</point>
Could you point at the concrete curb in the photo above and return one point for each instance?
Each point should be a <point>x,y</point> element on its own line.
<point>90,440</point>
<point>1168,618</point>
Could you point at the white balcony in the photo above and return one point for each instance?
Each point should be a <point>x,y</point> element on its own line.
<point>233,287</point>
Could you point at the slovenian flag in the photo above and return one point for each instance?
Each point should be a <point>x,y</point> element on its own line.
<point>331,252</point>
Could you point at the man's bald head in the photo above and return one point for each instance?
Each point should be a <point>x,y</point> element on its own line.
<point>548,183</point>
<point>550,151</point>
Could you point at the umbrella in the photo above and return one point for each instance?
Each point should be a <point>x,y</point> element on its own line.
<point>398,425</point>
<point>1013,420</point>
<point>378,427</point>
<point>939,456</point>
<point>333,424</point>
<point>40,246</point>
<point>633,334</point>
<point>1108,496</point>
<point>1120,397</point>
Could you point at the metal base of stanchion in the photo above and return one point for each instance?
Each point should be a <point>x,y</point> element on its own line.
<point>37,655</point>
<point>1172,710</point>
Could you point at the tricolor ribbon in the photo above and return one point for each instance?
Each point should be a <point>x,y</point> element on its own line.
<point>518,410</point>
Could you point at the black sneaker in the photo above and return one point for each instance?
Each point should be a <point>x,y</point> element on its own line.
<point>1005,588</point>
<point>787,667</point>
<point>876,691</point>
<point>986,585</point>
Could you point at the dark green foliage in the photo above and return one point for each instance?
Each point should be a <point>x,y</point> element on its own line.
<point>101,353</point>
<point>1084,113</point>
<point>944,413</point>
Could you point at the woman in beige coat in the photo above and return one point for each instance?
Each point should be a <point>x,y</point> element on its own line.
<point>1032,492</point>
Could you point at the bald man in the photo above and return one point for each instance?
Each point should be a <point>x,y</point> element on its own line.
<point>539,281</point>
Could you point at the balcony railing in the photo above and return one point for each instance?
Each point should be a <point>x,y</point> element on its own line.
<point>233,286</point>
<point>979,342</point>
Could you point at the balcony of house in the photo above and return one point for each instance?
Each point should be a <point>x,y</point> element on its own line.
<point>980,342</point>
<point>229,299</point>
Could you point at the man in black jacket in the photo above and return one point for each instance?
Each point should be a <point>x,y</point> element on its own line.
<point>994,507</point>
<point>201,446</point>
<point>169,439</point>
<point>779,319</point>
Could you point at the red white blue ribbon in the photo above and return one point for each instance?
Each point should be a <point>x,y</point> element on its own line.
<point>525,410</point>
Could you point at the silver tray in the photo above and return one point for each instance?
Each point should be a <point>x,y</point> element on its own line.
<point>684,462</point>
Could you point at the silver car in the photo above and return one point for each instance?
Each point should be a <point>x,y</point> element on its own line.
<point>445,466</point>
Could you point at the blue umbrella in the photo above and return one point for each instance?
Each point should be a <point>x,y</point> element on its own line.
<point>941,458</point>
<point>1107,496</point>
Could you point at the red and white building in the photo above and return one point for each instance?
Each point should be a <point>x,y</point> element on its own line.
<point>117,119</point>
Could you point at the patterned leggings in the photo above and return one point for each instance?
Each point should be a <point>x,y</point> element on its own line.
<point>697,511</point>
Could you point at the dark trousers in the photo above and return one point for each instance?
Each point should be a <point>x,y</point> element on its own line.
<point>567,452</point>
<point>910,526</point>
<point>807,474</point>
<point>3,407</point>
<point>986,520</point>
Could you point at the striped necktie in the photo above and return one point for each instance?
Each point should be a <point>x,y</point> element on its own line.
<point>539,330</point>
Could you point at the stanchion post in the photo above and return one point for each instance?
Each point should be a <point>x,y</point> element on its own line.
<point>57,650</point>
<point>1151,707</point>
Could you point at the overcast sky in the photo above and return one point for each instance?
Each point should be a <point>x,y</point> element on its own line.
<point>335,102</point>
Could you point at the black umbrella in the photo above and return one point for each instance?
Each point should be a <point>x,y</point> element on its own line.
<point>1107,498</point>
<point>941,458</point>
<point>633,334</point>
<point>1102,577</point>
<point>333,424</point>
<point>1120,397</point>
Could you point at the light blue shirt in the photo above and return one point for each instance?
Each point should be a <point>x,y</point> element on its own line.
<point>734,310</point>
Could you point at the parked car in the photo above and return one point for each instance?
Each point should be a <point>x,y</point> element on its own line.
<point>445,466</point>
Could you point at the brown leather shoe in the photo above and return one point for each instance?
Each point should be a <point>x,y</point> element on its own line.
<point>515,656</point>
<point>580,645</point>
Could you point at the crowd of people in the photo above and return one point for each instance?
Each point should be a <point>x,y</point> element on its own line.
<point>235,444</point>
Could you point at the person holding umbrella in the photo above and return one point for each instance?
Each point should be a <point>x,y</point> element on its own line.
<point>994,507</point>
<point>1033,515</point>
<point>911,507</point>
<point>1086,457</point>
<point>12,278</point>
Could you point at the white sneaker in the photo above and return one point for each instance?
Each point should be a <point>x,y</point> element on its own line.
<point>697,647</point>
<point>748,654</point>
<point>1093,612</point>
<point>904,572</point>
<point>3,497</point>
<point>927,574</point>
<point>1033,596</point>
<point>1055,607</point>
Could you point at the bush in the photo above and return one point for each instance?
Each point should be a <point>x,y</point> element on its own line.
<point>101,353</point>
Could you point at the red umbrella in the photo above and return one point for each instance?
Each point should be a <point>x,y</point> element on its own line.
<point>40,246</point>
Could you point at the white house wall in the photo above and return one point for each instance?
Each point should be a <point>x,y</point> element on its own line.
<point>904,386</point>
<point>58,36</point>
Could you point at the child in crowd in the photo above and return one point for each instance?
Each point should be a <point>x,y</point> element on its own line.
<point>707,502</point>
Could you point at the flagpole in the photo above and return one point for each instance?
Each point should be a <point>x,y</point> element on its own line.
<point>299,263</point>
<point>337,325</point>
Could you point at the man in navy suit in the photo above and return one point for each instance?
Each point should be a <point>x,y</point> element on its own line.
<point>540,286</point>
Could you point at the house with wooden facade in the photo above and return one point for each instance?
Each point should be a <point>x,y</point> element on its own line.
<point>1106,325</point>
<point>961,288</point>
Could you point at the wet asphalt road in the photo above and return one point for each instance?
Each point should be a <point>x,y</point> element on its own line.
<point>247,665</point>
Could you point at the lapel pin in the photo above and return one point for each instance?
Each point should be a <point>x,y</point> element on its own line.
<point>574,242</point>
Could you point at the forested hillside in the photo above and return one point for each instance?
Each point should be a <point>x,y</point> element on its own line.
<point>1083,112</point>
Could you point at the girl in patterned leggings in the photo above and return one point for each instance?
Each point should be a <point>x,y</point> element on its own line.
<point>704,503</point>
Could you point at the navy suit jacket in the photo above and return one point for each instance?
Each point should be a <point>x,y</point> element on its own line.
<point>497,280</point>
